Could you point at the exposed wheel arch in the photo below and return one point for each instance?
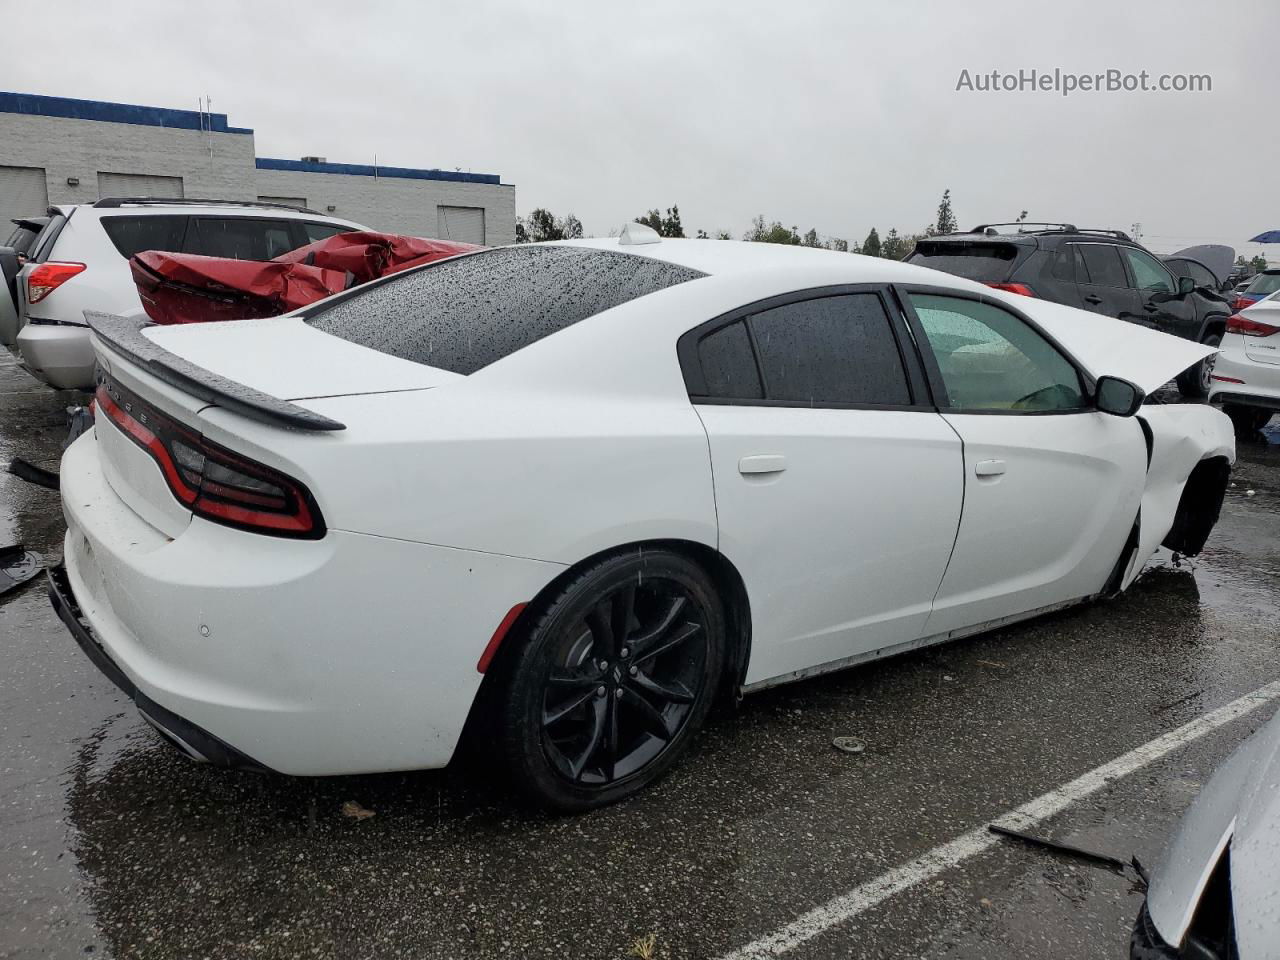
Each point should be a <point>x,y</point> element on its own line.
<point>1199,506</point>
<point>729,584</point>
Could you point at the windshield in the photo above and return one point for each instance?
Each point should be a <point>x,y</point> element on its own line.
<point>1264,284</point>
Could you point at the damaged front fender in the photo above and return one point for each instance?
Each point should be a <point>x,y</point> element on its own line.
<point>1192,449</point>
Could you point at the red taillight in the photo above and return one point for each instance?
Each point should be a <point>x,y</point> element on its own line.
<point>1242,303</point>
<point>214,482</point>
<point>1019,288</point>
<point>48,277</point>
<point>1250,328</point>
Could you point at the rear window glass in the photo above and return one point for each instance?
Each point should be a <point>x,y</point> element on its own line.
<point>22,239</point>
<point>979,261</point>
<point>1265,283</point>
<point>729,364</point>
<point>463,314</point>
<point>134,234</point>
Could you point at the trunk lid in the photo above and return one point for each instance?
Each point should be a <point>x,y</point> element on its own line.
<point>1263,349</point>
<point>254,368</point>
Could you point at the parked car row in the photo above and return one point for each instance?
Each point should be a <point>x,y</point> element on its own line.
<point>1102,271</point>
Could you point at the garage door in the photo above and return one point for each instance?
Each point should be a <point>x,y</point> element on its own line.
<point>287,201</point>
<point>22,194</point>
<point>460,223</point>
<point>138,185</point>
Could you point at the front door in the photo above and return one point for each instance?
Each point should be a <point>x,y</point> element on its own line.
<point>838,487</point>
<point>1052,486</point>
<point>1104,284</point>
<point>1168,310</point>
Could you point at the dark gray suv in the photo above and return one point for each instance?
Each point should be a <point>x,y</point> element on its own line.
<point>1100,270</point>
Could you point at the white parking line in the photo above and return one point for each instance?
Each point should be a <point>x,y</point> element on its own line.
<point>862,898</point>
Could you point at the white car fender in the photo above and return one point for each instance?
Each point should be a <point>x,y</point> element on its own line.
<point>1182,435</point>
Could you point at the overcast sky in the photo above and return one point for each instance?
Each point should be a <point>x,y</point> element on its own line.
<point>834,115</point>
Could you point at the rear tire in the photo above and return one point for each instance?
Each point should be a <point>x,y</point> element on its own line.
<point>1194,383</point>
<point>1246,420</point>
<point>614,680</point>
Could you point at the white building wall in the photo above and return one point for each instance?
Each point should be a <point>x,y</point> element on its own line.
<point>82,148</point>
<point>396,204</point>
<point>222,166</point>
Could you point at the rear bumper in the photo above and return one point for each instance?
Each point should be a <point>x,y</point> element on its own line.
<point>1260,386</point>
<point>196,743</point>
<point>58,354</point>
<point>351,654</point>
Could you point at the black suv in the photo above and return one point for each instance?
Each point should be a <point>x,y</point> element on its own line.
<point>1100,270</point>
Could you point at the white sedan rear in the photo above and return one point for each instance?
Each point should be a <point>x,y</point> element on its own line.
<point>1246,373</point>
<point>577,491</point>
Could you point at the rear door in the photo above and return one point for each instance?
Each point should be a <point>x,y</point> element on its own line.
<point>838,486</point>
<point>1104,283</point>
<point>1052,486</point>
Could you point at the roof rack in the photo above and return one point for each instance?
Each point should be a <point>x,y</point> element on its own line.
<point>112,202</point>
<point>1022,227</point>
<point>1118,234</point>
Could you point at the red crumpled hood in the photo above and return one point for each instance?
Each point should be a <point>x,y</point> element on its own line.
<point>187,288</point>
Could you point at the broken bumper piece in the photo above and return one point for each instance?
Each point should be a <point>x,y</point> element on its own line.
<point>196,743</point>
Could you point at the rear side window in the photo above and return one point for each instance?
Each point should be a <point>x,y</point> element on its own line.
<point>729,364</point>
<point>1103,263</point>
<point>465,313</point>
<point>977,261</point>
<point>240,238</point>
<point>322,231</point>
<point>132,235</point>
<point>830,350</point>
<point>1064,264</point>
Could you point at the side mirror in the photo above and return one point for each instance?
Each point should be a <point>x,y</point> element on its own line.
<point>1186,285</point>
<point>1120,398</point>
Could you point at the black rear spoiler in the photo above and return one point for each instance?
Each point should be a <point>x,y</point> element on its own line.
<point>123,335</point>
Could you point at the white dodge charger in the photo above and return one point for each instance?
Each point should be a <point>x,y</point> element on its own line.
<point>574,492</point>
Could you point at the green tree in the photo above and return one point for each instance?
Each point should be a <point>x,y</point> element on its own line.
<point>723,235</point>
<point>946,219</point>
<point>1258,263</point>
<point>668,226</point>
<point>702,235</point>
<point>871,246</point>
<point>835,243</point>
<point>775,232</point>
<point>811,239</point>
<point>542,225</point>
<point>894,246</point>
<point>652,220</point>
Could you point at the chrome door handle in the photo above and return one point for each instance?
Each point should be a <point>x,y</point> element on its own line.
<point>989,468</point>
<point>762,463</point>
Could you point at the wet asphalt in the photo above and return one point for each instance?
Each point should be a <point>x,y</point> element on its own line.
<point>113,845</point>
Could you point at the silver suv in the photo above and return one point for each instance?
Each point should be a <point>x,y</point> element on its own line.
<point>80,261</point>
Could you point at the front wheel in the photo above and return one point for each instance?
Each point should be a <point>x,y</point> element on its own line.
<point>614,680</point>
<point>1194,383</point>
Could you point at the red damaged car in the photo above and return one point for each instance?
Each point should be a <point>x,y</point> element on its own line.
<point>186,288</point>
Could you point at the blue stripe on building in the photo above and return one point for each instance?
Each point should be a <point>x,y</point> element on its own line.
<point>69,109</point>
<point>368,170</point>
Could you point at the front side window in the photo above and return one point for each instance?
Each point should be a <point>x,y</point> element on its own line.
<point>240,238</point>
<point>1202,276</point>
<point>1147,273</point>
<point>1103,263</point>
<point>467,312</point>
<point>131,235</point>
<point>993,361</point>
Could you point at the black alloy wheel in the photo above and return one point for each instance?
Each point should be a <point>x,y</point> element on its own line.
<point>614,680</point>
